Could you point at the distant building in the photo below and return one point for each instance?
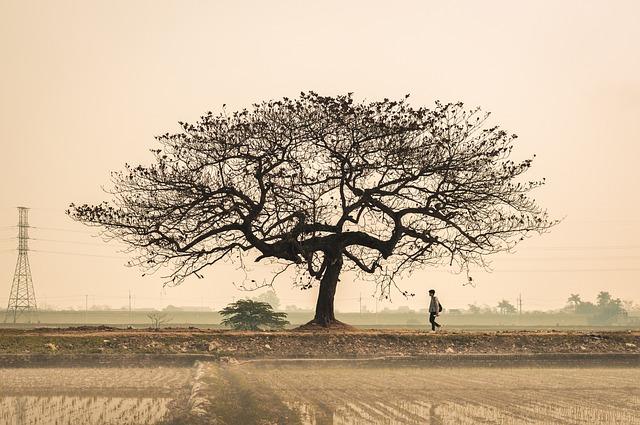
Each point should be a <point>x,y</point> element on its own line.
<point>187,308</point>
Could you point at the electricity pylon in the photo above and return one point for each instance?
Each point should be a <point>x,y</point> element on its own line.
<point>22,298</point>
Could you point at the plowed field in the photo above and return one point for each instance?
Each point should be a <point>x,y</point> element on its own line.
<point>258,392</point>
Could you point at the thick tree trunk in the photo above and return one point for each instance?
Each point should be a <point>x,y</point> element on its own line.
<point>324,307</point>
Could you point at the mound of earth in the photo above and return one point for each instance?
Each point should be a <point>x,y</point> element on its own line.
<point>333,326</point>
<point>307,343</point>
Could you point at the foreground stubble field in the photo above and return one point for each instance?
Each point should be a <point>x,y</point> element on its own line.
<point>415,394</point>
<point>90,395</point>
<point>335,393</point>
<point>111,376</point>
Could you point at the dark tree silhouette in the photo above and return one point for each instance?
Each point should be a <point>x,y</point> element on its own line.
<point>270,297</point>
<point>604,298</point>
<point>325,184</point>
<point>474,309</point>
<point>252,315</point>
<point>608,308</point>
<point>506,307</point>
<point>158,319</point>
<point>575,300</point>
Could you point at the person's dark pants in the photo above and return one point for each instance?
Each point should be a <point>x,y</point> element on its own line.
<point>432,320</point>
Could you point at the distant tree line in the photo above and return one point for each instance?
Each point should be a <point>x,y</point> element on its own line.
<point>606,309</point>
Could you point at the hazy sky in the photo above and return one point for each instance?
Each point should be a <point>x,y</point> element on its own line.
<point>85,86</point>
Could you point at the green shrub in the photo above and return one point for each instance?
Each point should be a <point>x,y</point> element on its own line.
<point>252,315</point>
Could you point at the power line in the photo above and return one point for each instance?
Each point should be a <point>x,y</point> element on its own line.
<point>104,243</point>
<point>604,220</point>
<point>79,254</point>
<point>75,242</point>
<point>570,258</point>
<point>58,229</point>
<point>565,270</point>
<point>495,257</point>
<point>579,248</point>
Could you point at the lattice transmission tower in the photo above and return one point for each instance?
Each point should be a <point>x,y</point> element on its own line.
<point>22,299</point>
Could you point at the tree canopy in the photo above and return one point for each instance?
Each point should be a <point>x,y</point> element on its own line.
<point>575,300</point>
<point>323,185</point>
<point>506,307</point>
<point>606,310</point>
<point>270,297</point>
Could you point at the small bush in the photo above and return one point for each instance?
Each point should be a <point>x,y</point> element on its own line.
<point>252,315</point>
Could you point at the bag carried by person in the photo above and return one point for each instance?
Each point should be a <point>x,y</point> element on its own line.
<point>439,307</point>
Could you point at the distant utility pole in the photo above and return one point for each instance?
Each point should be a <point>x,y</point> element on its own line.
<point>360,302</point>
<point>22,298</point>
<point>86,309</point>
<point>130,322</point>
<point>520,303</point>
<point>376,309</point>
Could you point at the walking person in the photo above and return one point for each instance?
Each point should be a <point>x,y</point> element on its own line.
<point>434,310</point>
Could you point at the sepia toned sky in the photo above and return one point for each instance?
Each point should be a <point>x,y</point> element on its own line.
<point>85,87</point>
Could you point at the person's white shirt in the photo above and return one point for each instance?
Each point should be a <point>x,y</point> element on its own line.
<point>434,307</point>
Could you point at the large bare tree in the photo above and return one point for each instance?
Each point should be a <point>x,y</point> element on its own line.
<point>323,185</point>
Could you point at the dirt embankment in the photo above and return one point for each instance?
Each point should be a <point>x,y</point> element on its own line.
<point>310,344</point>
